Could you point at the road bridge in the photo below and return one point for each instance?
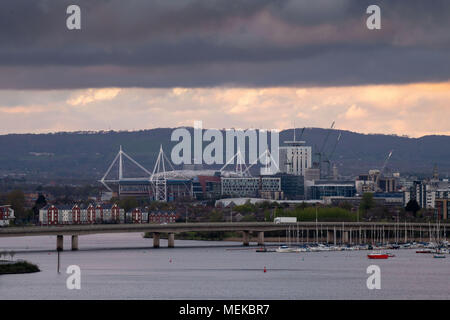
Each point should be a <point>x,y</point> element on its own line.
<point>343,232</point>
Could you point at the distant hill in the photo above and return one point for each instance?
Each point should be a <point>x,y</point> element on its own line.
<point>86,155</point>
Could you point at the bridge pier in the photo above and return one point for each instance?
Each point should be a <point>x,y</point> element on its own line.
<point>59,243</point>
<point>171,240</point>
<point>260,238</point>
<point>155,240</point>
<point>245,238</point>
<point>74,242</point>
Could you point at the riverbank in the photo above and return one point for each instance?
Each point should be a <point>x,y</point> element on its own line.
<point>18,267</point>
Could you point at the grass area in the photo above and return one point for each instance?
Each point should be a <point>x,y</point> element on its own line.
<point>18,267</point>
<point>323,214</point>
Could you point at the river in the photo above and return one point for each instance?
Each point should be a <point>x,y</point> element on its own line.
<point>125,266</point>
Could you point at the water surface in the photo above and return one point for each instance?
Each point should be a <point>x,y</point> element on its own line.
<point>125,266</point>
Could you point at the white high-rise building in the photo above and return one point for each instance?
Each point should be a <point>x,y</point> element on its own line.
<point>295,158</point>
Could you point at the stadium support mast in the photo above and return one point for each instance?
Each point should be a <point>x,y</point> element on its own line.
<point>268,160</point>
<point>120,163</point>
<point>159,176</point>
<point>119,158</point>
<point>241,169</point>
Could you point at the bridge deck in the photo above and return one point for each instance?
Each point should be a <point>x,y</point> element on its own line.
<point>217,226</point>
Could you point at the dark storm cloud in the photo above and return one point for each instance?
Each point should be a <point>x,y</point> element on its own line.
<point>166,43</point>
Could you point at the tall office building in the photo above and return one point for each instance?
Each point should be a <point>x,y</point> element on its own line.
<point>295,158</point>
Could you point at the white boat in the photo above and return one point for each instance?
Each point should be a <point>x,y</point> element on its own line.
<point>284,249</point>
<point>323,248</point>
<point>431,245</point>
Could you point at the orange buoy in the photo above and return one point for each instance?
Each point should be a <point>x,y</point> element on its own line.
<point>265,270</point>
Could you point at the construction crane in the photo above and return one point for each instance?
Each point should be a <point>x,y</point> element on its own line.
<point>328,158</point>
<point>377,181</point>
<point>321,154</point>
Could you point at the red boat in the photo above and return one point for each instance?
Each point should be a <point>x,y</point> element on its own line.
<point>378,256</point>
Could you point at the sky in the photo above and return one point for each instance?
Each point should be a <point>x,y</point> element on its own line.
<point>141,64</point>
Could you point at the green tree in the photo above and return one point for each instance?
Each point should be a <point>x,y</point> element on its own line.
<point>346,205</point>
<point>279,212</point>
<point>16,199</point>
<point>268,215</point>
<point>128,204</point>
<point>39,204</point>
<point>367,202</point>
<point>216,216</point>
<point>245,208</point>
<point>412,206</point>
<point>248,218</point>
